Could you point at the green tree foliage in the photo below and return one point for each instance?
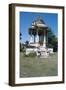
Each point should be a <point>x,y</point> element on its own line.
<point>20,41</point>
<point>27,43</point>
<point>52,41</point>
<point>20,35</point>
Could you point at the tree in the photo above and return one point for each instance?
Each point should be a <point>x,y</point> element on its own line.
<point>52,41</point>
<point>20,35</point>
<point>27,43</point>
<point>20,41</point>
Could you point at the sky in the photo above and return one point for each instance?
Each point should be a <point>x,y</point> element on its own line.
<point>26,19</point>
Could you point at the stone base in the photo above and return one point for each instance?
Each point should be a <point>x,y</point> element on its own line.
<point>34,44</point>
<point>44,54</point>
<point>41,51</point>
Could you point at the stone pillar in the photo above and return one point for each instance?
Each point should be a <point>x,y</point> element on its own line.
<point>31,39</point>
<point>44,42</point>
<point>34,38</point>
<point>47,38</point>
<point>37,39</point>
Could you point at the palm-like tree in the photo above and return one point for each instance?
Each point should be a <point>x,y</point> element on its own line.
<point>20,35</point>
<point>20,41</point>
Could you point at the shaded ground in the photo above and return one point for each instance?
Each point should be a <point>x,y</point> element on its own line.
<point>36,66</point>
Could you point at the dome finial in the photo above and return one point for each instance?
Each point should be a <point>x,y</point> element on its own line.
<point>39,18</point>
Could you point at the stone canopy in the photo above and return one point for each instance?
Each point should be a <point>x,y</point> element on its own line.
<point>39,23</point>
<point>38,26</point>
<point>38,32</point>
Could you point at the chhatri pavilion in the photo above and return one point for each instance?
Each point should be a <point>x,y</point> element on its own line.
<point>38,32</point>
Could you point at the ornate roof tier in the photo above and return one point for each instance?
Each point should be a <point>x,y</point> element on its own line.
<point>38,25</point>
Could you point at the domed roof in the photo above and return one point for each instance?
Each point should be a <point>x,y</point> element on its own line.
<point>39,22</point>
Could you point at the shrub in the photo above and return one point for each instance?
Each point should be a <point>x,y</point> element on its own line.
<point>32,54</point>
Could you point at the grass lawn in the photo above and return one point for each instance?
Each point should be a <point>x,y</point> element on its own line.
<point>36,66</point>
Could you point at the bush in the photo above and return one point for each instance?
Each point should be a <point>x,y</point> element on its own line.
<point>32,54</point>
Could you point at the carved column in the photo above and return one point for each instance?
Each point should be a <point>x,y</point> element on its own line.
<point>44,42</point>
<point>37,39</point>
